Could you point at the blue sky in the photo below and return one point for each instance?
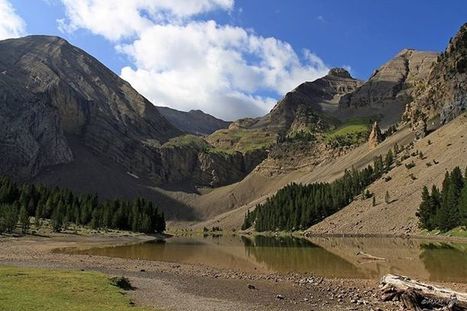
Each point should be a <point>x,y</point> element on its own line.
<point>252,70</point>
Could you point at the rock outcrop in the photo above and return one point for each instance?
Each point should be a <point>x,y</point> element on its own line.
<point>375,137</point>
<point>443,95</point>
<point>203,166</point>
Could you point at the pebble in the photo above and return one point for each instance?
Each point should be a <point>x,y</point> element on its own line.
<point>280,297</point>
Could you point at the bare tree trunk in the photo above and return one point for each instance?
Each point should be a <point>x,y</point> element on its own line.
<point>420,296</point>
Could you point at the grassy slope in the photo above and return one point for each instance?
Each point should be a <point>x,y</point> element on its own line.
<point>353,129</point>
<point>186,140</point>
<point>37,289</point>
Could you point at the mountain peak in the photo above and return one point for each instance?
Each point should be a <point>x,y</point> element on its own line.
<point>459,41</point>
<point>339,72</point>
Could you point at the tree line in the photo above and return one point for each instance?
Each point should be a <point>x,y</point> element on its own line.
<point>297,206</point>
<point>445,209</point>
<point>63,207</point>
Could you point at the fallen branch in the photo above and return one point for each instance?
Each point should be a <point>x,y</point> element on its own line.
<point>369,257</point>
<point>420,296</point>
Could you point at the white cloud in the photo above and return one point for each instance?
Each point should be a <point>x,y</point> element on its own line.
<point>11,25</point>
<point>120,19</point>
<point>185,62</point>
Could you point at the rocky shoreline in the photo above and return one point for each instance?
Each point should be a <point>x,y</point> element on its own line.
<point>173,286</point>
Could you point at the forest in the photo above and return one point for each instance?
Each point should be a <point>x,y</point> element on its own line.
<point>63,207</point>
<point>297,206</point>
<point>446,208</point>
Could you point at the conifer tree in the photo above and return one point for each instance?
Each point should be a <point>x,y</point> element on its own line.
<point>389,160</point>
<point>24,219</point>
<point>463,205</point>
<point>387,198</point>
<point>424,211</point>
<point>57,218</point>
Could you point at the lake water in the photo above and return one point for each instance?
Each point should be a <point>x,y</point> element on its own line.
<point>328,257</point>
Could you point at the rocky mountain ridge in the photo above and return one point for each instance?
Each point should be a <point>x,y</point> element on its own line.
<point>194,121</point>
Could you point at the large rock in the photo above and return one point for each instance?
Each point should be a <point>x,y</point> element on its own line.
<point>375,137</point>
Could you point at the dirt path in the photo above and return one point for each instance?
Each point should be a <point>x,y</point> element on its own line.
<point>170,286</point>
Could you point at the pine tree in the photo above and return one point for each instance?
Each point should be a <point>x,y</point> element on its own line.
<point>424,212</point>
<point>374,200</point>
<point>57,219</point>
<point>389,160</point>
<point>24,219</point>
<point>463,205</point>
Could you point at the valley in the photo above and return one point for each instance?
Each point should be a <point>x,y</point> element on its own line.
<point>305,207</point>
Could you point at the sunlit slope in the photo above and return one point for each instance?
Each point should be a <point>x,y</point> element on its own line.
<point>447,147</point>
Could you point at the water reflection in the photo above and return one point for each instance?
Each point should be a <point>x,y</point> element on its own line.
<point>439,260</point>
<point>290,254</point>
<point>329,257</point>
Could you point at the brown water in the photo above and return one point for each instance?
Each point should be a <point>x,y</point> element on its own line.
<point>328,257</point>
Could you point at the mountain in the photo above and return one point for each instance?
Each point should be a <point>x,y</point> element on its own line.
<point>67,119</point>
<point>390,88</point>
<point>309,101</point>
<point>194,121</point>
<point>303,112</point>
<point>52,90</point>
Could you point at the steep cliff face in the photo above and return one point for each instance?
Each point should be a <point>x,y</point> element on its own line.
<point>31,135</point>
<point>443,95</point>
<point>390,88</point>
<point>58,90</point>
<point>193,160</point>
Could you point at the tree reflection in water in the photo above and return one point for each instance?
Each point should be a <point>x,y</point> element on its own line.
<point>445,262</point>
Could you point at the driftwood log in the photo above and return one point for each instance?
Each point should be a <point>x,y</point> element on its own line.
<point>420,296</point>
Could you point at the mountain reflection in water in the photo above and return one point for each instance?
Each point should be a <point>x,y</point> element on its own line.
<point>328,257</point>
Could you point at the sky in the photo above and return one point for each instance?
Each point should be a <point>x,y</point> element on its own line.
<point>235,58</point>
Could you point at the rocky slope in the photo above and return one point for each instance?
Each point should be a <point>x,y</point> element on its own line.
<point>443,95</point>
<point>390,88</point>
<point>194,121</point>
<point>442,150</point>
